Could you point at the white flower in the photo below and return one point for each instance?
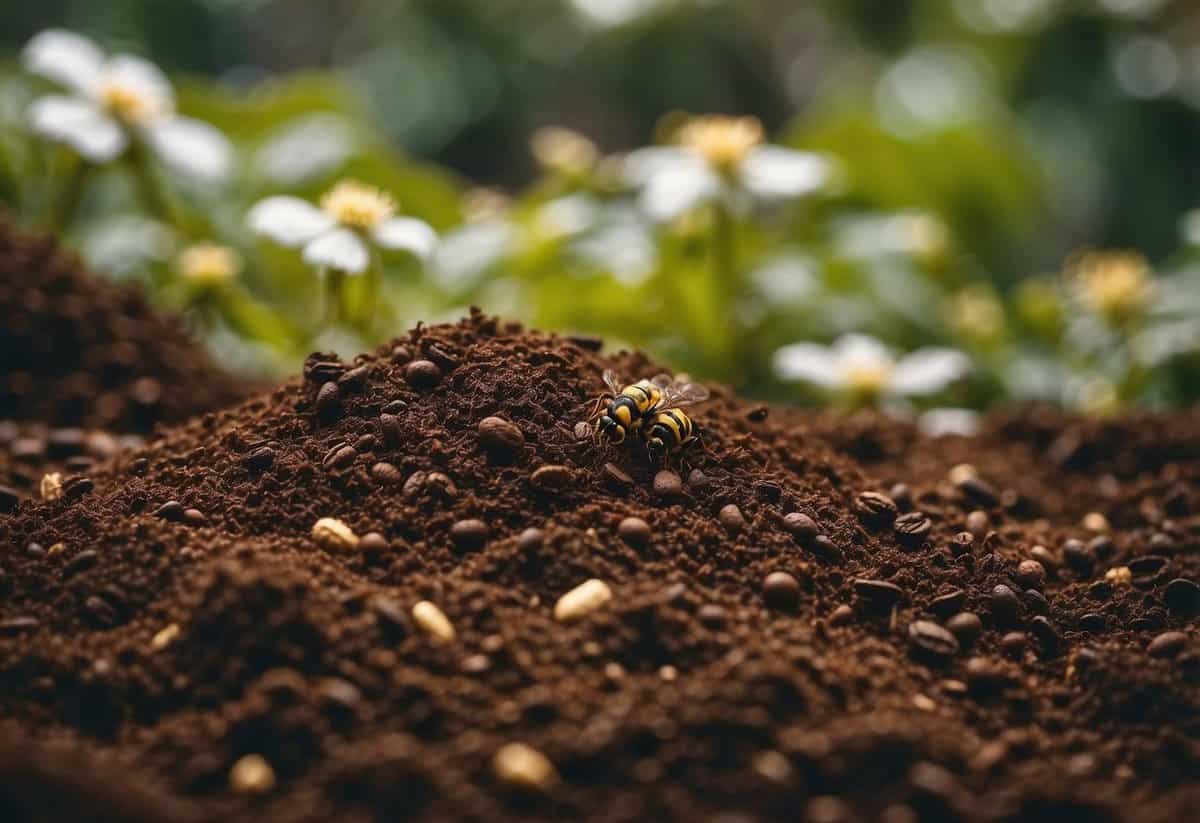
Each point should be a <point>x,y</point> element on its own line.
<point>947,422</point>
<point>307,148</point>
<point>115,100</point>
<point>861,366</point>
<point>720,158</point>
<point>337,234</point>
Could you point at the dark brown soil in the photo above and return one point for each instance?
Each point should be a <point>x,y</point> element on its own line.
<point>83,359</point>
<point>710,686</point>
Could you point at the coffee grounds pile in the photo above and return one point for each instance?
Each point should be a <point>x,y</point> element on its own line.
<point>345,600</point>
<point>84,361</point>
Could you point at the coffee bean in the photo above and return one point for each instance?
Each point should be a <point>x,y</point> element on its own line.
<point>329,401</point>
<point>1093,622</point>
<point>668,485</point>
<point>731,518</point>
<point>985,676</point>
<point>767,490</point>
<point>1035,601</point>
<point>551,479</point>
<point>422,374</point>
<point>967,627</point>
<point>1046,557</point>
<point>843,615</point>
<point>365,443</point>
<point>781,591</point>
<point>826,548</point>
<point>415,484</point>
<point>1148,567</point>
<point>80,563</point>
<point>947,604</point>
<point>978,490</point>
<point>1013,644</point>
<point>259,459</point>
<point>1031,574</point>
<point>902,496</point>
<point>445,359</point>
<point>394,407</point>
<point>800,526</point>
<point>171,510</point>
<point>99,612</point>
<point>635,531</point>
<point>875,508</point>
<point>18,625</point>
<point>711,615</point>
<point>1005,605</point>
<point>401,355</point>
<point>878,594</point>
<point>469,535</point>
<point>1078,556</point>
<point>319,371</point>
<point>501,439</point>
<point>373,543</point>
<point>930,642</point>
<point>962,543</point>
<point>1162,543</point>
<point>1101,546</point>
<point>390,616</point>
<point>531,540</point>
<point>978,524</point>
<point>339,457</point>
<point>439,485</point>
<point>1182,596</point>
<point>385,474</point>
<point>1167,644</point>
<point>913,528</point>
<point>353,379</point>
<point>390,428</point>
<point>194,518</point>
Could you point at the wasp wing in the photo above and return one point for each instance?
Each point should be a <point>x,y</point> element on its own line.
<point>683,394</point>
<point>613,382</point>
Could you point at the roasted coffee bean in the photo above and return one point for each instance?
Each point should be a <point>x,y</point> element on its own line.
<point>879,594</point>
<point>1005,605</point>
<point>365,443</point>
<point>401,355</point>
<point>913,528</point>
<point>767,490</point>
<point>962,543</point>
<point>439,485</point>
<point>1182,596</point>
<point>385,474</point>
<point>372,543</point>
<point>822,546</point>
<point>391,429</point>
<point>781,591</point>
<point>949,603</point>
<point>967,627</point>
<point>531,540</point>
<point>394,407</point>
<point>1035,601</point>
<point>1093,622</point>
<point>1013,644</point>
<point>930,642</point>
<point>338,458</point>
<point>635,531</point>
<point>902,496</point>
<point>800,526</point>
<point>667,485</point>
<point>731,518</point>
<point>445,359</point>
<point>422,374</point>
<point>552,479</point>
<point>329,401</point>
<point>353,379</point>
<point>18,625</point>
<point>318,371</point>
<point>99,612</point>
<point>194,518</point>
<point>984,676</point>
<point>1046,557</point>
<point>1101,547</point>
<point>1078,556</point>
<point>259,459</point>
<point>1046,634</point>
<point>1147,568</point>
<point>469,535</point>
<point>843,615</point>
<point>171,510</point>
<point>1031,574</point>
<point>390,615</point>
<point>978,524</point>
<point>875,508</point>
<point>979,490</point>
<point>501,439</point>
<point>1167,644</point>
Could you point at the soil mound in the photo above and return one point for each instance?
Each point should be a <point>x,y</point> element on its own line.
<point>82,358</point>
<point>344,600</point>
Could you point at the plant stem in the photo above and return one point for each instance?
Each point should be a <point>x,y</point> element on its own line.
<point>334,280</point>
<point>154,196</point>
<point>66,203</point>
<point>727,278</point>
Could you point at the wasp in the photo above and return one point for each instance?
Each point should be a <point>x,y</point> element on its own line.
<point>650,407</point>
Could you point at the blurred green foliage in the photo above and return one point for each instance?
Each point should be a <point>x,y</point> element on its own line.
<point>976,145</point>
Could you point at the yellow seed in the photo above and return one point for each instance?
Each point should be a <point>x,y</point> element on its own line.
<point>334,535</point>
<point>1119,575</point>
<point>51,486</point>
<point>1096,522</point>
<point>252,774</point>
<point>524,766</point>
<point>582,600</point>
<point>56,549</point>
<point>434,621</point>
<point>962,473</point>
<point>165,637</point>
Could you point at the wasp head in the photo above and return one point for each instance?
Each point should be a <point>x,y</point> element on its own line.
<point>657,449</point>
<point>611,429</point>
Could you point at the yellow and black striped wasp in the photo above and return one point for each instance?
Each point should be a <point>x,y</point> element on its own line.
<point>650,408</point>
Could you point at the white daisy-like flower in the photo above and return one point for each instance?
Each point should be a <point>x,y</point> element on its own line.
<point>305,149</point>
<point>114,101</point>
<point>720,158</point>
<point>338,234</point>
<point>861,366</point>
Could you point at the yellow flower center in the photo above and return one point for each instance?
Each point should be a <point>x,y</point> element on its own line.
<point>357,205</point>
<point>1115,285</point>
<point>563,151</point>
<point>207,264</point>
<point>722,141</point>
<point>129,104</point>
<point>867,380</point>
<point>977,314</point>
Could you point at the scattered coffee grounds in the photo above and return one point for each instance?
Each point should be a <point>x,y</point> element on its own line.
<point>378,593</point>
<point>86,366</point>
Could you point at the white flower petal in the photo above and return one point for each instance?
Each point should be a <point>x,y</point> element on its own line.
<point>949,422</point>
<point>65,57</point>
<point>465,254</point>
<point>79,124</point>
<point>773,172</point>
<point>642,164</point>
<point>406,234</point>
<point>929,370</point>
<point>340,249</point>
<point>289,221</point>
<point>861,352</point>
<point>675,191</point>
<point>810,362</point>
<point>309,147</point>
<point>192,148</point>
<point>143,78</point>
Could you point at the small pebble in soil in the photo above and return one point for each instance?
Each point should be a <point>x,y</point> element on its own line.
<point>333,535</point>
<point>668,485</point>
<point>781,591</point>
<point>252,774</point>
<point>433,621</point>
<point>1031,574</point>
<point>524,767</point>
<point>635,531</point>
<point>978,523</point>
<point>422,374</point>
<point>582,600</point>
<point>373,543</point>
